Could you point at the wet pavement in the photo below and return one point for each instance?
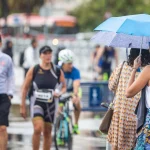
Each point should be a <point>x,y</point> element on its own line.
<point>80,143</point>
<point>20,135</point>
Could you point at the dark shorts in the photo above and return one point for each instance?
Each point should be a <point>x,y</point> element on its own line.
<point>5,104</point>
<point>43,110</point>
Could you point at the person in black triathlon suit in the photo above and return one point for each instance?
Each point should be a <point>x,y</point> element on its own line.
<point>44,79</point>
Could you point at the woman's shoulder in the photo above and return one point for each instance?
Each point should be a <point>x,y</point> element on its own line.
<point>147,67</point>
<point>127,65</point>
<point>124,65</point>
<point>124,68</point>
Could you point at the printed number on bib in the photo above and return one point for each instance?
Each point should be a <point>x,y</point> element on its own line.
<point>44,96</point>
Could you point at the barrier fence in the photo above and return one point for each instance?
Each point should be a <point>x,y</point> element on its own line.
<point>93,94</point>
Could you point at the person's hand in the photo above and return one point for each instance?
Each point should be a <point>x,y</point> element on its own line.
<point>10,97</point>
<point>137,62</point>
<point>56,95</point>
<point>23,111</point>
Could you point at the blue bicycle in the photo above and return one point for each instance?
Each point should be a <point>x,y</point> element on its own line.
<point>63,127</point>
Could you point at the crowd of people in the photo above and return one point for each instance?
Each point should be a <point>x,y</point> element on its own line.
<point>128,81</point>
<point>43,85</point>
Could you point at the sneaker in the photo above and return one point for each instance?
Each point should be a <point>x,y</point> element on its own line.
<point>76,129</point>
<point>60,142</point>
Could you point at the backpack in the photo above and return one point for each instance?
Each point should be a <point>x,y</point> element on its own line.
<point>55,68</point>
<point>21,61</point>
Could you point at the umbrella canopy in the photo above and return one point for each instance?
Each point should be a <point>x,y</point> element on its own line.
<point>121,40</point>
<point>138,25</point>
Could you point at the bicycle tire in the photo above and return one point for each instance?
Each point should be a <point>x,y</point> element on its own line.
<point>59,118</point>
<point>70,139</point>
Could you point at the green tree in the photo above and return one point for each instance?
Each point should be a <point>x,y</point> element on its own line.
<point>91,14</point>
<point>20,6</point>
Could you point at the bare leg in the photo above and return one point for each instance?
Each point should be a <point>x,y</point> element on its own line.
<point>3,138</point>
<point>47,136</point>
<point>77,112</point>
<point>38,128</point>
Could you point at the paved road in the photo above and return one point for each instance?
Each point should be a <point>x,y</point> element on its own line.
<point>20,135</point>
<point>80,143</point>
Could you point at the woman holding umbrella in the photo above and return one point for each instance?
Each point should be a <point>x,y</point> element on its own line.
<point>122,131</point>
<point>135,86</point>
<point>128,32</point>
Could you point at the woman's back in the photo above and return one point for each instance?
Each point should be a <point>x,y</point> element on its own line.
<point>122,131</point>
<point>123,104</point>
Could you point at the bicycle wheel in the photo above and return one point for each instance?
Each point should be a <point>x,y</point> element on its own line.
<point>62,135</point>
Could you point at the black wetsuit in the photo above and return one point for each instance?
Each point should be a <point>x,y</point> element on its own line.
<point>44,80</point>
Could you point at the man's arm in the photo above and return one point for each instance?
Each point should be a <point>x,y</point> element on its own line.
<point>10,78</point>
<point>76,86</point>
<point>99,55</point>
<point>61,87</point>
<point>76,82</point>
<point>62,81</point>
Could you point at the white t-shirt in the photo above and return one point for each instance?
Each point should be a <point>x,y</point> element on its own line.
<point>30,57</point>
<point>148,96</point>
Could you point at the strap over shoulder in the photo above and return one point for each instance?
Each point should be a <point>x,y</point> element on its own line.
<point>57,71</point>
<point>35,70</point>
<point>119,78</point>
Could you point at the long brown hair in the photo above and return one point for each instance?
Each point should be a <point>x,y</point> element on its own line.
<point>134,53</point>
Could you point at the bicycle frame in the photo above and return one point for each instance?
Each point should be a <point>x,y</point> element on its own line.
<point>66,120</point>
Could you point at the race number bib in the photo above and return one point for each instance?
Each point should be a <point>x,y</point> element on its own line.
<point>44,95</point>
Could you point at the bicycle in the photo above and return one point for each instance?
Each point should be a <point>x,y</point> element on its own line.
<point>63,126</point>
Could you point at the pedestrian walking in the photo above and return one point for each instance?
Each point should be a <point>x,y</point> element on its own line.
<point>122,131</point>
<point>8,49</point>
<point>44,79</point>
<point>6,94</point>
<point>30,56</point>
<point>134,87</point>
<point>103,60</point>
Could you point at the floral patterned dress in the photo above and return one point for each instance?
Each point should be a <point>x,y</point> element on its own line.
<point>143,141</point>
<point>122,131</point>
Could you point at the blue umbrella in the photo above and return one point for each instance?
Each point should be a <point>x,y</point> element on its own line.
<point>121,40</point>
<point>133,25</point>
<point>138,25</point>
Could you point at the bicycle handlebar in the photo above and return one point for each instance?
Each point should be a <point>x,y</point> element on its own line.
<point>106,105</point>
<point>66,97</point>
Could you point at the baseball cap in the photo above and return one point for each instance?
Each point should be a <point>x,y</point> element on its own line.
<point>44,49</point>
